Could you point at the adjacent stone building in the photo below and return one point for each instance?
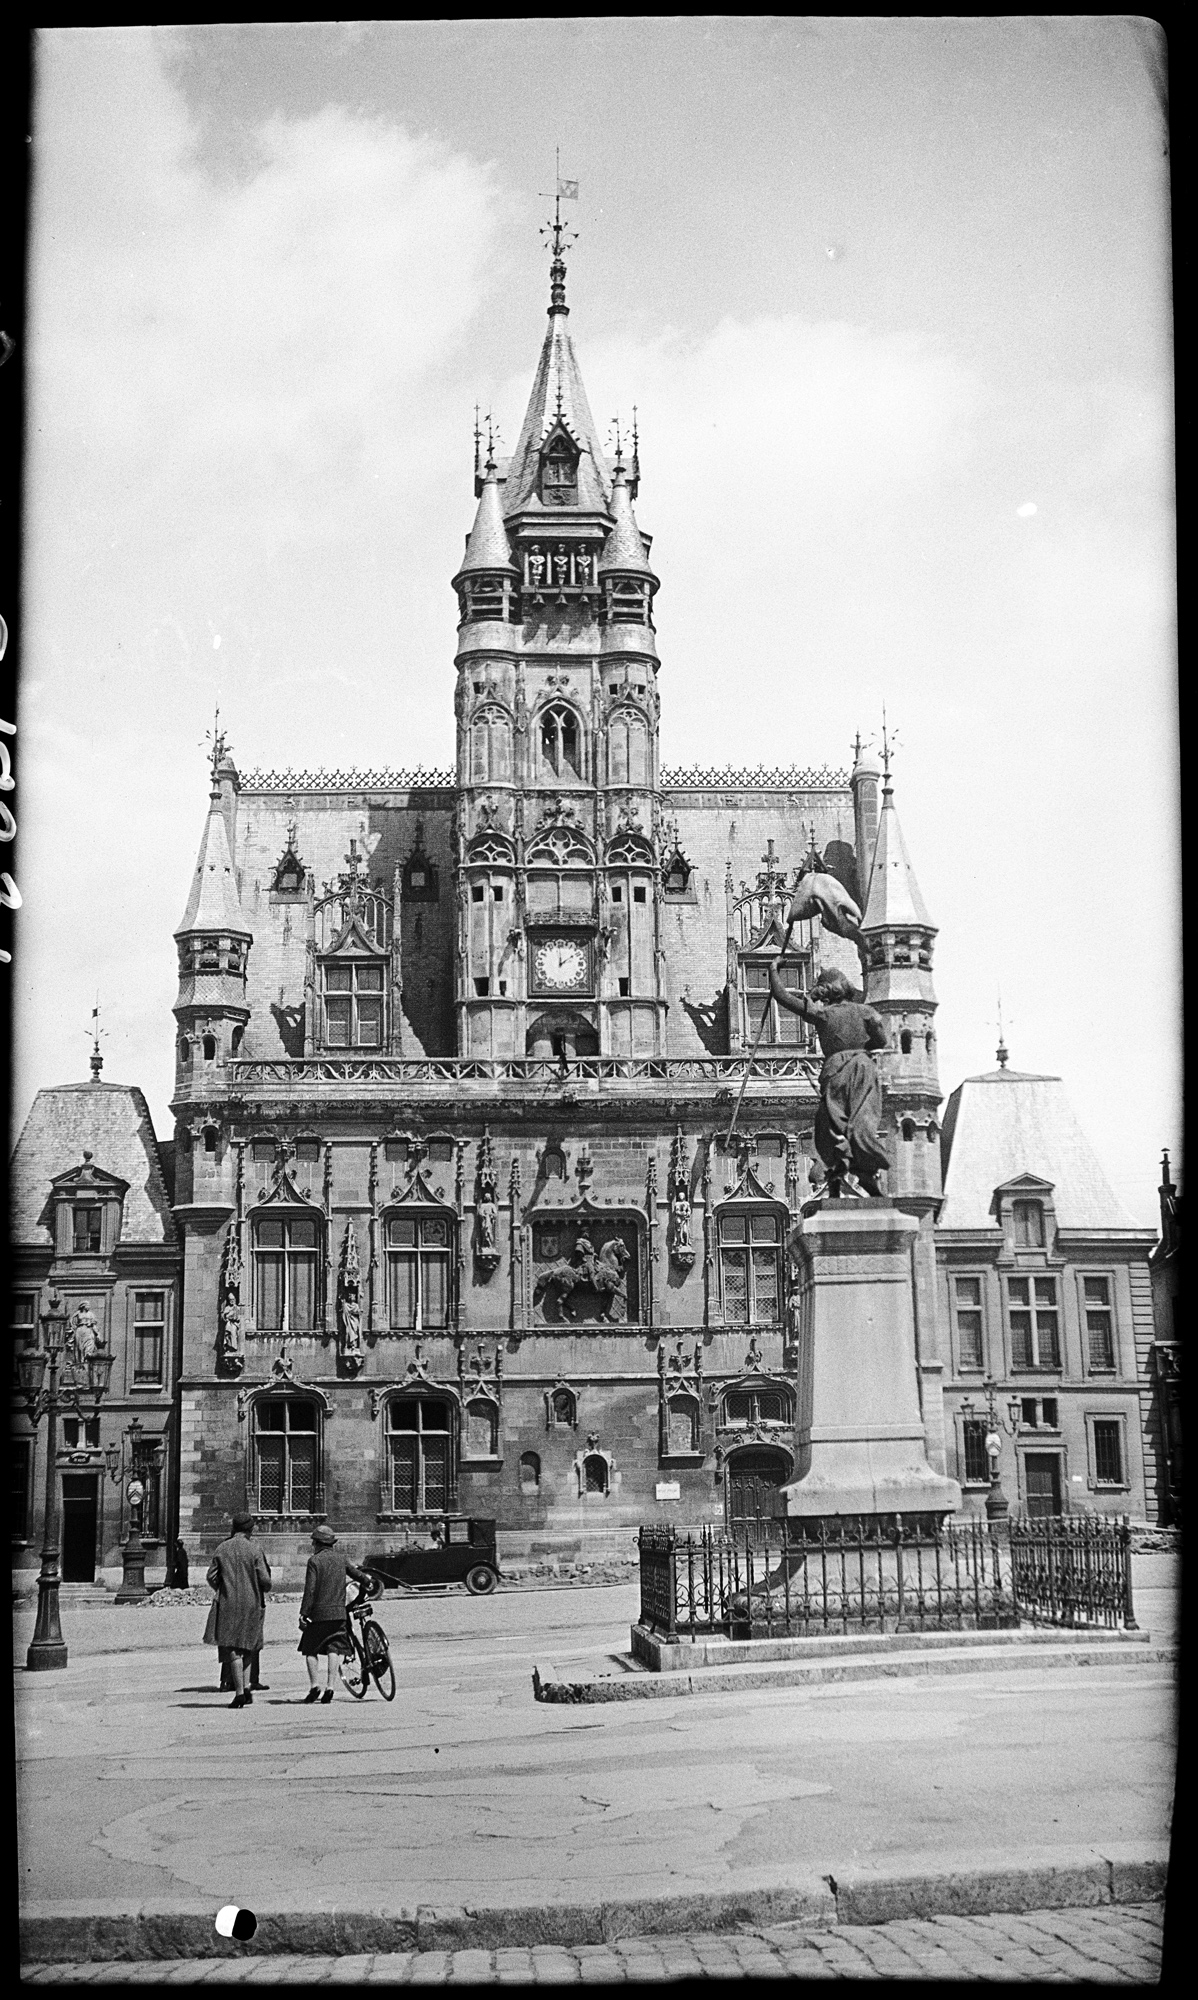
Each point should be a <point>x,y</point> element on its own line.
<point>91,1220</point>
<point>1046,1290</point>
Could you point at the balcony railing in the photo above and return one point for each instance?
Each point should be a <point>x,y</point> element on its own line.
<point>289,1071</point>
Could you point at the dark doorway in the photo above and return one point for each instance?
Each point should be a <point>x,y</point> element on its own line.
<point>755,1479</point>
<point>79,1511</point>
<point>1042,1480</point>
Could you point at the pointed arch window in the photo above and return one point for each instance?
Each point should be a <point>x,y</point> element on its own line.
<point>628,749</point>
<point>490,747</point>
<point>561,742</point>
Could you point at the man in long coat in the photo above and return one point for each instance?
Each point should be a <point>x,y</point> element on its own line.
<point>240,1575</point>
<point>847,1135</point>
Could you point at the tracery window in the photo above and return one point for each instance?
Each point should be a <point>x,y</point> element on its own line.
<point>560,742</point>
<point>490,748</point>
<point>755,1406</point>
<point>750,1266</point>
<point>286,1254</point>
<point>419,1253</point>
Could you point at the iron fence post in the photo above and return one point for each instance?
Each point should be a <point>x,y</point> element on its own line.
<point>1129,1613</point>
<point>672,1588</point>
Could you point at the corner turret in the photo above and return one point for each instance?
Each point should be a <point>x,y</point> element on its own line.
<point>214,941</point>
<point>899,937</point>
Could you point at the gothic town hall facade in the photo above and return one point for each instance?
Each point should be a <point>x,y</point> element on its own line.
<point>457,1055</point>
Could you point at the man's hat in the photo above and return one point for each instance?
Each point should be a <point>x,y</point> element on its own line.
<point>242,1521</point>
<point>324,1536</point>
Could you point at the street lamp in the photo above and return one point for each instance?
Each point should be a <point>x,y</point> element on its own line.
<point>47,1648</point>
<point>997,1504</point>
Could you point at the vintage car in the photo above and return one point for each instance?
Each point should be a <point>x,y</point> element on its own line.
<point>460,1550</point>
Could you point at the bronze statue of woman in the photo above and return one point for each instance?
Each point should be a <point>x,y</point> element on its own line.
<point>847,1124</point>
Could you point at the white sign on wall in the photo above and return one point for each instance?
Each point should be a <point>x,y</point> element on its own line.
<point>668,1489</point>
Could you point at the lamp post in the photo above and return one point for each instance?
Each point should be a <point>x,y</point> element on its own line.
<point>47,1648</point>
<point>997,1504</point>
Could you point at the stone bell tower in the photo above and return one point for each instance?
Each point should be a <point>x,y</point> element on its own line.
<point>559,834</point>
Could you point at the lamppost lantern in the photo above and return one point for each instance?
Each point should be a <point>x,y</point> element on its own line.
<point>54,1325</point>
<point>31,1369</point>
<point>99,1369</point>
<point>133,1556</point>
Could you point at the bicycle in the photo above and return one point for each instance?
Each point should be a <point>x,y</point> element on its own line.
<point>369,1657</point>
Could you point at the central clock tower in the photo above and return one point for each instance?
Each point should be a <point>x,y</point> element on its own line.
<point>559,834</point>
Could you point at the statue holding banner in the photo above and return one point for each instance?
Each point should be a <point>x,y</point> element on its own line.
<point>848,1122</point>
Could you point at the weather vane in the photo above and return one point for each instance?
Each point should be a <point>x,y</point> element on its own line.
<point>93,1034</point>
<point>216,737</point>
<point>557,240</point>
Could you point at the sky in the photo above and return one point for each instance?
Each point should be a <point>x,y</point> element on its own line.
<point>892,298</point>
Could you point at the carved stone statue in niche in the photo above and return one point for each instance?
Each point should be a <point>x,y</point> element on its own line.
<point>681,1248</point>
<point>349,1303</point>
<point>229,1343</point>
<point>487,1207</point>
<point>83,1336</point>
<point>536,566</point>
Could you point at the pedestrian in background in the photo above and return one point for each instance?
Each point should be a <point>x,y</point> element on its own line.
<point>322,1610</point>
<point>180,1571</point>
<point>240,1575</point>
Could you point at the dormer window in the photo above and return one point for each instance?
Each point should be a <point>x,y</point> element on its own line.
<point>353,1005</point>
<point>88,1231</point>
<point>559,473</point>
<point>289,877</point>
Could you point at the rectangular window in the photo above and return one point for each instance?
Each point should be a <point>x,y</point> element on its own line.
<point>20,1455</point>
<point>353,1006</point>
<point>418,1269</point>
<point>1029,1225</point>
<point>750,1268</point>
<point>88,1226</point>
<point>967,1298</point>
<point>1034,1323</point>
<point>285,1254</point>
<point>22,1324</point>
<point>1108,1453</point>
<point>1100,1331</point>
<point>638,895</point>
<point>149,1317</point>
<point>286,1439</point>
<point>977,1465</point>
<point>419,1444</point>
<point>782,1029</point>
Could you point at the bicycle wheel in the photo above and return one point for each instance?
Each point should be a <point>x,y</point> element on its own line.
<point>354,1671</point>
<point>378,1659</point>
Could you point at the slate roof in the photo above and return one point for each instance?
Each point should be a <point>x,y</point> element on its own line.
<point>624,548</point>
<point>113,1121</point>
<point>487,547</point>
<point>893,897</point>
<point>557,367</point>
<point>214,904</point>
<point>1006,1123</point>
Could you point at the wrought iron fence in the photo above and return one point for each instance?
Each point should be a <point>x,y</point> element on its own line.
<point>800,1580</point>
<point>1069,1569</point>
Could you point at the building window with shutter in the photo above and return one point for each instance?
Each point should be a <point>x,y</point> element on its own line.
<point>418,1271</point>
<point>149,1323</point>
<point>750,1268</point>
<point>420,1454</point>
<point>353,1005</point>
<point>285,1272</point>
<point>975,1462</point>
<point>1100,1329</point>
<point>967,1310</point>
<point>287,1456</point>
<point>1028,1218</point>
<point>1108,1451</point>
<point>1034,1322</point>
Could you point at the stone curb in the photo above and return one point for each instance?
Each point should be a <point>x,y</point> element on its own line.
<point>646,1686</point>
<point>997,1883</point>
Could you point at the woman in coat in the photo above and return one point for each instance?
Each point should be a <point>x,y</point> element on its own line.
<point>240,1575</point>
<point>322,1611</point>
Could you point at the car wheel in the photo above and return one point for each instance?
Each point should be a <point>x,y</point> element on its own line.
<point>481,1581</point>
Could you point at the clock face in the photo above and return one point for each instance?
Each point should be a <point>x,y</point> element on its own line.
<point>561,965</point>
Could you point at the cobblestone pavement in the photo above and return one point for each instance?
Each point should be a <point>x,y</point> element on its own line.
<point>1119,1944</point>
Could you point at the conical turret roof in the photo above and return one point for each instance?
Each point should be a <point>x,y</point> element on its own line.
<point>624,548</point>
<point>557,394</point>
<point>487,548</point>
<point>893,898</point>
<point>214,904</point>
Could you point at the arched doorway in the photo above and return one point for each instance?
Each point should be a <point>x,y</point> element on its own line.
<point>753,1480</point>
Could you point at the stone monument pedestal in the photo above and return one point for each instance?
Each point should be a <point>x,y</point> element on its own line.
<point>859,1443</point>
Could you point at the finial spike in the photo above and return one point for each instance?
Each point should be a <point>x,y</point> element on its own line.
<point>1002,1051</point>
